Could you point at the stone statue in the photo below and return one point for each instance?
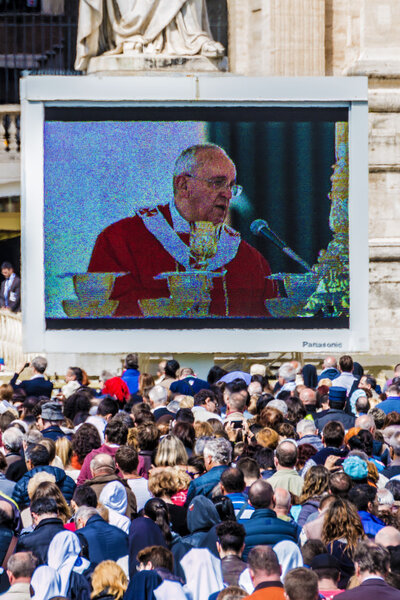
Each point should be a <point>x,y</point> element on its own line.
<point>164,28</point>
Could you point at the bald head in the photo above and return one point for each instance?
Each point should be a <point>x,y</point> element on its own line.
<point>388,536</point>
<point>261,494</point>
<point>365,422</point>
<point>308,397</point>
<point>102,464</point>
<point>7,509</point>
<point>282,499</point>
<point>330,362</point>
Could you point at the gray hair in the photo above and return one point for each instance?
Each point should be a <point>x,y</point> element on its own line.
<point>279,405</point>
<point>385,497</point>
<point>13,438</point>
<point>287,372</point>
<point>200,444</point>
<point>158,395</point>
<point>105,375</point>
<point>365,422</point>
<point>305,426</point>
<point>84,513</point>
<point>394,442</point>
<point>34,436</point>
<point>219,449</point>
<point>22,564</point>
<point>102,461</point>
<point>39,363</point>
<point>189,159</point>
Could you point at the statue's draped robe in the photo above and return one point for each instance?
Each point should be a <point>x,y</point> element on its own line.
<point>170,27</point>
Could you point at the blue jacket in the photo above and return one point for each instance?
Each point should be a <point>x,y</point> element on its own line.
<point>265,528</point>
<point>105,542</point>
<point>204,485</point>
<point>370,523</point>
<point>131,378</point>
<point>391,404</point>
<point>66,484</point>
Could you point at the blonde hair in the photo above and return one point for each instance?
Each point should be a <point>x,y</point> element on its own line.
<point>168,481</point>
<point>186,402</point>
<point>202,429</point>
<point>48,489</point>
<point>170,452</point>
<point>325,381</point>
<point>64,450</point>
<point>268,438</point>
<point>108,575</point>
<point>37,479</point>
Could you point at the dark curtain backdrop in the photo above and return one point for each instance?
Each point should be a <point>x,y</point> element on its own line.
<point>285,169</point>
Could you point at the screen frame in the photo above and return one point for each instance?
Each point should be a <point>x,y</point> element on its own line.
<point>39,92</point>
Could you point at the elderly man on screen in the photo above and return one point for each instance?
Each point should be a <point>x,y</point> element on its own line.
<point>156,240</point>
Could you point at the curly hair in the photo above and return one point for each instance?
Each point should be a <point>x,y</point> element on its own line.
<point>267,438</point>
<point>79,402</point>
<point>86,439</point>
<point>316,482</point>
<point>342,521</point>
<point>168,481</point>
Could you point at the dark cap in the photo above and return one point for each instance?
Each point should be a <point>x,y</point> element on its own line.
<point>337,394</point>
<point>325,561</point>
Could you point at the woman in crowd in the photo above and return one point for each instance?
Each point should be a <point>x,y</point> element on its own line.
<point>109,582</point>
<point>84,440</point>
<point>170,452</point>
<point>164,484</point>
<point>341,531</point>
<point>316,483</point>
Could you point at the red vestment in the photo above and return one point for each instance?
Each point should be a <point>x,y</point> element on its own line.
<point>128,246</point>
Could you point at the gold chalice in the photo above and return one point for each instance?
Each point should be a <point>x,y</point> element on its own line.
<point>203,239</point>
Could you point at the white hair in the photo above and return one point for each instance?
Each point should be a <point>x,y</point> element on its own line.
<point>305,426</point>
<point>219,449</point>
<point>385,497</point>
<point>158,395</point>
<point>287,372</point>
<point>13,438</point>
<point>84,513</point>
<point>189,159</point>
<point>279,405</point>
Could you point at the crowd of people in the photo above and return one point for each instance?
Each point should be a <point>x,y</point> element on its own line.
<point>235,486</point>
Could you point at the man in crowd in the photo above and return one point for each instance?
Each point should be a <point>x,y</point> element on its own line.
<point>301,584</point>
<point>158,401</point>
<point>20,567</point>
<point>47,524</point>
<point>265,573</point>
<point>392,402</point>
<point>232,486</point>
<point>217,457</point>
<point>10,289</point>
<point>156,240</point>
<point>286,476</point>
<point>264,527</point>
<point>37,385</point>
<point>104,541</point>
<point>337,401</point>
<point>131,373</point>
<point>346,378</point>
<point>372,564</point>
<point>329,369</point>
<point>50,420</point>
<point>205,406</point>
<point>230,546</point>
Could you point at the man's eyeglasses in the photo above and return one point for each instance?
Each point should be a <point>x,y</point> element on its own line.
<point>220,184</point>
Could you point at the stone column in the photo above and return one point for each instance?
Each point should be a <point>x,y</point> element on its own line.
<point>277,37</point>
<point>380,40</point>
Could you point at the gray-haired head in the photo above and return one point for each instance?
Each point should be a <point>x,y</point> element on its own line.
<point>39,363</point>
<point>83,514</point>
<point>200,443</point>
<point>279,405</point>
<point>306,427</point>
<point>34,436</point>
<point>158,395</point>
<point>193,157</point>
<point>12,439</point>
<point>287,372</point>
<point>102,462</point>
<point>394,442</point>
<point>219,450</point>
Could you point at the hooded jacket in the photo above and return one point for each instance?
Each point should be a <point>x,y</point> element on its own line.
<point>66,484</point>
<point>201,517</point>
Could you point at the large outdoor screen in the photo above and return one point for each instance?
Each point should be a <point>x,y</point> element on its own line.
<point>194,214</point>
<point>145,223</point>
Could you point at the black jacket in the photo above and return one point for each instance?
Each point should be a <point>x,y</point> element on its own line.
<point>332,414</point>
<point>39,540</point>
<point>39,386</point>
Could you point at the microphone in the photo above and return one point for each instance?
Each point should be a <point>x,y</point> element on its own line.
<point>261,227</point>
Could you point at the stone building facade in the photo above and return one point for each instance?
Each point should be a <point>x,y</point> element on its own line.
<point>334,38</point>
<point>329,38</point>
